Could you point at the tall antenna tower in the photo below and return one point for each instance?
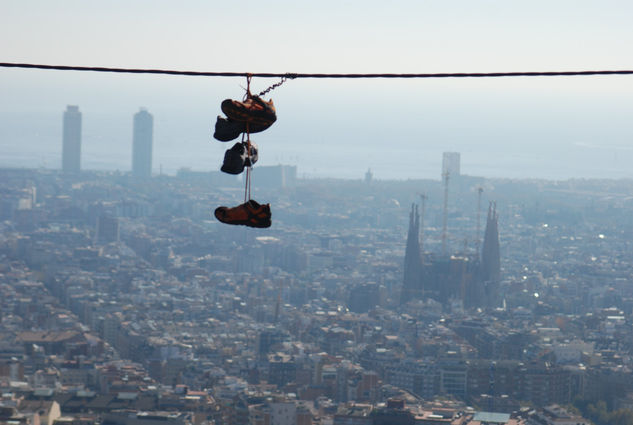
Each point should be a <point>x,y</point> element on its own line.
<point>423,198</point>
<point>278,303</point>
<point>445,176</point>
<point>477,240</point>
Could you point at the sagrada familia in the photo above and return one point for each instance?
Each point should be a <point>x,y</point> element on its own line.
<point>472,279</point>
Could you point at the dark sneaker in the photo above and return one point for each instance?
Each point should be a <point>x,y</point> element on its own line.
<point>253,110</point>
<point>251,214</point>
<point>227,129</point>
<point>236,158</point>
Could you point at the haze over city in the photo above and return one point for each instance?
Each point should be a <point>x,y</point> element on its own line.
<point>177,250</point>
<point>541,127</point>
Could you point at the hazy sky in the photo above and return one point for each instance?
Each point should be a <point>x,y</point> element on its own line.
<point>548,127</point>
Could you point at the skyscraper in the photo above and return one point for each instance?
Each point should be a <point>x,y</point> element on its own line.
<point>71,140</point>
<point>142,140</point>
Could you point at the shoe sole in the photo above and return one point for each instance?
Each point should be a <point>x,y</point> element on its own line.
<point>251,221</point>
<point>236,111</point>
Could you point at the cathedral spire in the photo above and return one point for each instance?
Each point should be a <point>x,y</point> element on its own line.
<point>411,281</point>
<point>490,255</point>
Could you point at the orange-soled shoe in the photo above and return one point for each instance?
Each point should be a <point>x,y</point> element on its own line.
<point>251,214</point>
<point>254,110</point>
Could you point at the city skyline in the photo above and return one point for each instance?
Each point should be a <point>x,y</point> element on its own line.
<point>142,141</point>
<point>183,140</point>
<point>112,283</point>
<point>419,250</point>
<point>553,128</point>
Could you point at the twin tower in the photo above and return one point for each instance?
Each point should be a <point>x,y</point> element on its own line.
<point>142,140</point>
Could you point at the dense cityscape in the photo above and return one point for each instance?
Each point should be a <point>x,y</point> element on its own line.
<point>462,300</point>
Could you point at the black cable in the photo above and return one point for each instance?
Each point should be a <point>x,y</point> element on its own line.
<point>306,75</point>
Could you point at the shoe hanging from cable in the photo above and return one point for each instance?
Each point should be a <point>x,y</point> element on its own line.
<point>251,115</point>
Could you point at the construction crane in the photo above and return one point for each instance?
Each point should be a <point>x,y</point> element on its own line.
<point>445,176</point>
<point>423,199</point>
<point>477,240</point>
<point>278,304</point>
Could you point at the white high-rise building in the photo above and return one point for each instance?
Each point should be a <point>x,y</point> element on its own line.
<point>71,140</point>
<point>142,141</point>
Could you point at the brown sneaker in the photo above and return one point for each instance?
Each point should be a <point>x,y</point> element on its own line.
<point>250,214</point>
<point>253,110</point>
